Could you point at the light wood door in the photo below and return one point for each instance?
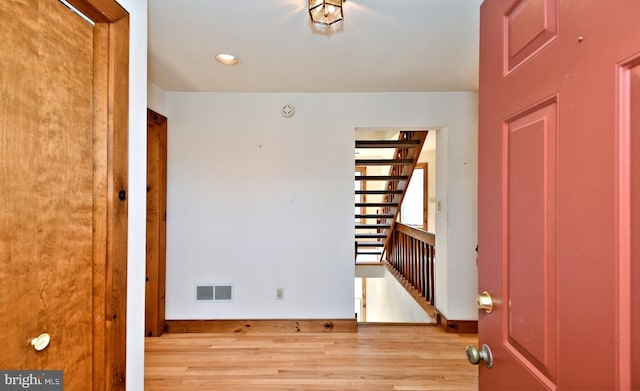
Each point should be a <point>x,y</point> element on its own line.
<point>558,244</point>
<point>62,162</point>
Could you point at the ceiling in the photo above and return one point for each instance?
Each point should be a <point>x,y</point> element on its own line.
<point>381,46</point>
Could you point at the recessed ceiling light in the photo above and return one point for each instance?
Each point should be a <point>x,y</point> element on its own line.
<point>227,59</point>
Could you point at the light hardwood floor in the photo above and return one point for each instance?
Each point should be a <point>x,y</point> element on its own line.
<point>377,357</point>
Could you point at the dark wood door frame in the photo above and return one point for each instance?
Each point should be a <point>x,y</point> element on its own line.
<point>156,224</point>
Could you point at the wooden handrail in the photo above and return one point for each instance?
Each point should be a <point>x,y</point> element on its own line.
<point>417,233</point>
<point>411,252</point>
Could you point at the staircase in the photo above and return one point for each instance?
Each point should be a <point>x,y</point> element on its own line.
<point>378,197</point>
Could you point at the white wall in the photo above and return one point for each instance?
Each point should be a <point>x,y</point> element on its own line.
<point>456,219</point>
<point>388,301</point>
<point>255,200</point>
<point>442,224</point>
<point>266,202</point>
<point>155,99</point>
<point>137,190</point>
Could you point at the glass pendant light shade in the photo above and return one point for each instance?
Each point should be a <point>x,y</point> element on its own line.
<point>325,12</point>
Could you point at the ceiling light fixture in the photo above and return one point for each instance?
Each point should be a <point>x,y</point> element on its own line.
<point>325,12</point>
<point>227,59</point>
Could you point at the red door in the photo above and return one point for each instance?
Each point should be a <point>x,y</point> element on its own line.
<point>559,185</point>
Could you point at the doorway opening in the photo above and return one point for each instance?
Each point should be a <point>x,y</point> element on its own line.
<point>379,296</point>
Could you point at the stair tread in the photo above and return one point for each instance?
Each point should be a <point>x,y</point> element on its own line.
<point>370,244</point>
<point>374,204</point>
<point>370,236</point>
<point>368,226</point>
<point>379,192</point>
<point>381,177</point>
<point>375,216</point>
<point>387,143</point>
<point>382,162</point>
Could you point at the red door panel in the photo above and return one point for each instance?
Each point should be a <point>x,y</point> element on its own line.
<point>529,26</point>
<point>559,124</point>
<point>530,289</point>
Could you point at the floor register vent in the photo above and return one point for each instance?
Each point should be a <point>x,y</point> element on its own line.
<point>207,293</point>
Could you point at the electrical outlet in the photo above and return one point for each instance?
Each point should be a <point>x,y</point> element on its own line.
<point>279,293</point>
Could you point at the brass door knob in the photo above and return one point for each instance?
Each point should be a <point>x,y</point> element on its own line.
<point>484,302</point>
<point>475,355</point>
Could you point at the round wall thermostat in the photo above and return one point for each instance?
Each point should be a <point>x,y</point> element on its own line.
<point>287,111</point>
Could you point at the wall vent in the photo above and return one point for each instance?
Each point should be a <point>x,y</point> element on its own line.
<point>207,293</point>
